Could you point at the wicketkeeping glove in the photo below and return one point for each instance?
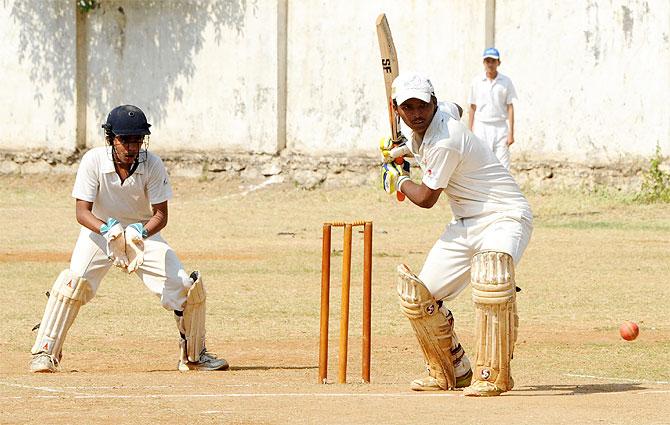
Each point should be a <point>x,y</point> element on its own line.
<point>135,234</point>
<point>116,243</point>
<point>393,176</point>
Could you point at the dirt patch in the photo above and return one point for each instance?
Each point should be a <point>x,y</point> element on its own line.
<point>570,366</point>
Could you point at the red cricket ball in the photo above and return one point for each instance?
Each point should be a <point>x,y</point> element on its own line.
<point>629,330</point>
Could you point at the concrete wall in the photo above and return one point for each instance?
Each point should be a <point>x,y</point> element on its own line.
<point>204,72</point>
<point>261,75</point>
<point>37,58</point>
<point>593,77</point>
<point>336,95</point>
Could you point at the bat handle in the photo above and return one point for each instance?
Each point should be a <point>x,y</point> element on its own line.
<point>399,195</point>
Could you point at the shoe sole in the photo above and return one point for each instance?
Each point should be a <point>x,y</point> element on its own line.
<point>182,367</point>
<point>461,382</point>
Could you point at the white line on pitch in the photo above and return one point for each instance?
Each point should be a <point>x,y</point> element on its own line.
<point>605,378</point>
<point>243,395</point>
<point>234,395</point>
<point>47,389</point>
<point>128,387</point>
<point>251,395</point>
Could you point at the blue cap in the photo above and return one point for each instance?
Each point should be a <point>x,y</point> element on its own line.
<point>491,52</point>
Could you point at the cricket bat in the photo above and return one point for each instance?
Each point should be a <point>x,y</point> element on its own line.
<point>390,71</point>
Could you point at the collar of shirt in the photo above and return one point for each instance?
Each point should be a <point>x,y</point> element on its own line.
<point>435,131</point>
<point>108,164</point>
<point>486,78</point>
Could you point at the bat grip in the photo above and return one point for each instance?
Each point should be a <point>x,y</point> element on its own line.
<point>399,195</point>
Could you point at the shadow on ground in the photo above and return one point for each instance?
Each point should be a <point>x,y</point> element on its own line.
<point>566,389</point>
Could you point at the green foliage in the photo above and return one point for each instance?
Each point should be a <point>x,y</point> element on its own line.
<point>656,182</point>
<point>85,6</point>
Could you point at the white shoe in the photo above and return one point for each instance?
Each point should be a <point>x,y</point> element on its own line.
<point>208,361</point>
<point>486,389</point>
<point>44,363</point>
<point>429,383</point>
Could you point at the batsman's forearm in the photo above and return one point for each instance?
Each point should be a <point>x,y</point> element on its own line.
<point>419,194</point>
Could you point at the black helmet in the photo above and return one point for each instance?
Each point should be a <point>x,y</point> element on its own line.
<point>127,120</point>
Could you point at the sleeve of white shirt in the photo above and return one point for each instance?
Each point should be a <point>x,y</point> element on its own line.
<point>511,93</point>
<point>86,183</point>
<point>450,108</point>
<point>440,165</point>
<point>159,184</point>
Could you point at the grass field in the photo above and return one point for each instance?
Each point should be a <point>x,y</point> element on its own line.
<point>593,262</point>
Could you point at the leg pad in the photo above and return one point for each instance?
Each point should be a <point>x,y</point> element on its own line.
<point>494,295</point>
<point>432,329</point>
<point>68,293</point>
<point>191,323</point>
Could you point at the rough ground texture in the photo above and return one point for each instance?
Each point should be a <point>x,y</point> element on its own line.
<point>593,262</point>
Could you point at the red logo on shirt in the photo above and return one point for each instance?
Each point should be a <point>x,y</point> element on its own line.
<point>430,172</point>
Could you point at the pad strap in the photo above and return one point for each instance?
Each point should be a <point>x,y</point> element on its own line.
<point>433,330</point>
<point>68,293</point>
<point>494,295</point>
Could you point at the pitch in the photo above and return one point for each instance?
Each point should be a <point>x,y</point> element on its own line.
<point>594,262</point>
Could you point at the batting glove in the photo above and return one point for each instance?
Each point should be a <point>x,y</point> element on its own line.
<point>116,243</point>
<point>393,176</point>
<point>135,234</point>
<point>391,152</point>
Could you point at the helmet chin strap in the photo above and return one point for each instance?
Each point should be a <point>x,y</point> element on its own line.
<point>132,169</point>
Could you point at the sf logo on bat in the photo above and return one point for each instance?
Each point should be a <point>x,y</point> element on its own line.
<point>386,64</point>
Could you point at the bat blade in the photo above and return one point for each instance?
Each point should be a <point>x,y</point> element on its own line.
<point>389,62</point>
<point>390,70</point>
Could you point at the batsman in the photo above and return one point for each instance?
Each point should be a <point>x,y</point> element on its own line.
<point>491,227</point>
<point>121,195</point>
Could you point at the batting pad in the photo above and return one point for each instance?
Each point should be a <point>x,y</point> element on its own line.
<point>494,295</point>
<point>194,319</point>
<point>433,330</point>
<point>68,293</point>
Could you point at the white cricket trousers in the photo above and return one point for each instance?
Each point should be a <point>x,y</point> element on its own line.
<point>161,272</point>
<point>495,136</point>
<point>446,271</point>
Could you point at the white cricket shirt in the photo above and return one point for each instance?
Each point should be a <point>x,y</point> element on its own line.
<point>491,97</point>
<point>129,202</point>
<point>475,182</point>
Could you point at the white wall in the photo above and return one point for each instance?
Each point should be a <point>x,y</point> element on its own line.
<point>203,72</point>
<point>336,97</point>
<point>593,77</point>
<point>37,74</point>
